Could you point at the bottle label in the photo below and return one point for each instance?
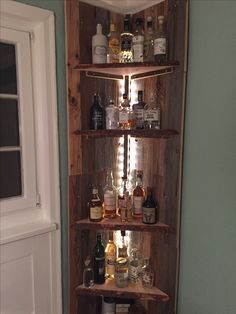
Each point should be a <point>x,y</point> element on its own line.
<point>123,117</point>
<point>134,273</point>
<point>151,115</point>
<point>97,119</point>
<point>138,201</point>
<point>114,45</point>
<point>139,114</point>
<point>96,212</point>
<point>111,118</point>
<point>109,202</point>
<point>138,48</point>
<point>149,215</point>
<point>159,46</point>
<point>99,54</point>
<point>126,45</point>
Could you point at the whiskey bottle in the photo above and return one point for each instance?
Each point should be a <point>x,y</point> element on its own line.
<point>148,49</point>
<point>122,249</point>
<point>138,40</point>
<point>122,200</point>
<point>111,116</point>
<point>160,41</point>
<point>126,52</point>
<point>113,44</point>
<point>138,196</point>
<point>99,46</point>
<point>126,115</point>
<point>99,261</point>
<point>149,208</point>
<point>109,196</point>
<point>138,109</point>
<point>96,114</point>
<point>110,257</point>
<point>152,116</point>
<point>95,207</point>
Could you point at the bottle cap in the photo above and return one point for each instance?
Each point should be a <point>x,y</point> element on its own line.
<point>161,19</point>
<point>95,191</point>
<point>139,21</point>
<point>112,27</point>
<point>99,28</point>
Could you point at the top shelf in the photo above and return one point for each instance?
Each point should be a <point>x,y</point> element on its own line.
<point>136,70</point>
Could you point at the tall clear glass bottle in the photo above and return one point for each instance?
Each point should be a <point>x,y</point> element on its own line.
<point>148,54</point>
<point>152,114</point>
<point>135,266</point>
<point>99,261</point>
<point>138,40</point>
<point>111,116</point>
<point>147,274</point>
<point>126,52</point>
<point>109,196</point>
<point>110,256</point>
<point>138,196</point>
<point>160,42</point>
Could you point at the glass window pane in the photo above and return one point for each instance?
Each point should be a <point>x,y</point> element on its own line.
<point>9,123</point>
<point>10,174</point>
<point>8,83</point>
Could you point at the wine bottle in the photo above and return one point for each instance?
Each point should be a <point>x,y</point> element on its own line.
<point>99,261</point>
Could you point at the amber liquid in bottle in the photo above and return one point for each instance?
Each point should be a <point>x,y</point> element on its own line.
<point>138,197</point>
<point>110,256</point>
<point>95,207</point>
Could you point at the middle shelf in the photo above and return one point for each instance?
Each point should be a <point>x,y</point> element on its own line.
<point>116,224</point>
<point>149,133</point>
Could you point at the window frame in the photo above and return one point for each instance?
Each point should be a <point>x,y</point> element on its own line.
<point>39,24</point>
<point>24,97</point>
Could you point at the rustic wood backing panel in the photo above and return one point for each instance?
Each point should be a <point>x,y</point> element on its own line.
<point>73,81</point>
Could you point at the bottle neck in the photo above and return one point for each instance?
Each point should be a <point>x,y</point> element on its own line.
<point>99,239</point>
<point>139,181</point>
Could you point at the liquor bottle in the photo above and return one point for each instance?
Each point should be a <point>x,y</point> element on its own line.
<point>108,305</point>
<point>152,116</point>
<point>126,115</point>
<point>96,114</point>
<point>95,207</point>
<point>148,49</point>
<point>147,274</point>
<point>109,196</point>
<point>99,46</point>
<point>111,116</point>
<point>122,250</point>
<point>110,256</point>
<point>160,41</point>
<point>99,261</point>
<point>114,44</point>
<point>138,109</point>
<point>138,196</point>
<point>138,40</point>
<point>126,52</point>
<point>135,266</point>
<point>88,274</point>
<point>149,208</point>
<point>122,190</point>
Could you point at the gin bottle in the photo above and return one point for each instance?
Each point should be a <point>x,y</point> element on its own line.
<point>147,275</point>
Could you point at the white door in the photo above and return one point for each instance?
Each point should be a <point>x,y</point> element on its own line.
<point>30,275</point>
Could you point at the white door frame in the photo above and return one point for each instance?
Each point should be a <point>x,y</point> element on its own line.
<point>19,226</point>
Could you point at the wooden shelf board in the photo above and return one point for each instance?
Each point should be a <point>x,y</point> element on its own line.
<point>162,133</point>
<point>116,224</point>
<point>135,70</point>
<point>135,291</point>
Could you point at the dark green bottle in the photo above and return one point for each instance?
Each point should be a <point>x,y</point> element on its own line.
<point>96,114</point>
<point>99,261</point>
<point>149,211</point>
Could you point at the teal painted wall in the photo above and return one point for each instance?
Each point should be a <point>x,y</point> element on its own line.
<point>57,6</point>
<point>208,226</point>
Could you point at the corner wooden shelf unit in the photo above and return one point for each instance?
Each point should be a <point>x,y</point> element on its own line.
<point>158,152</point>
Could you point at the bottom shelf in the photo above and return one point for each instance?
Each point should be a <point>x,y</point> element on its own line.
<point>132,291</point>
